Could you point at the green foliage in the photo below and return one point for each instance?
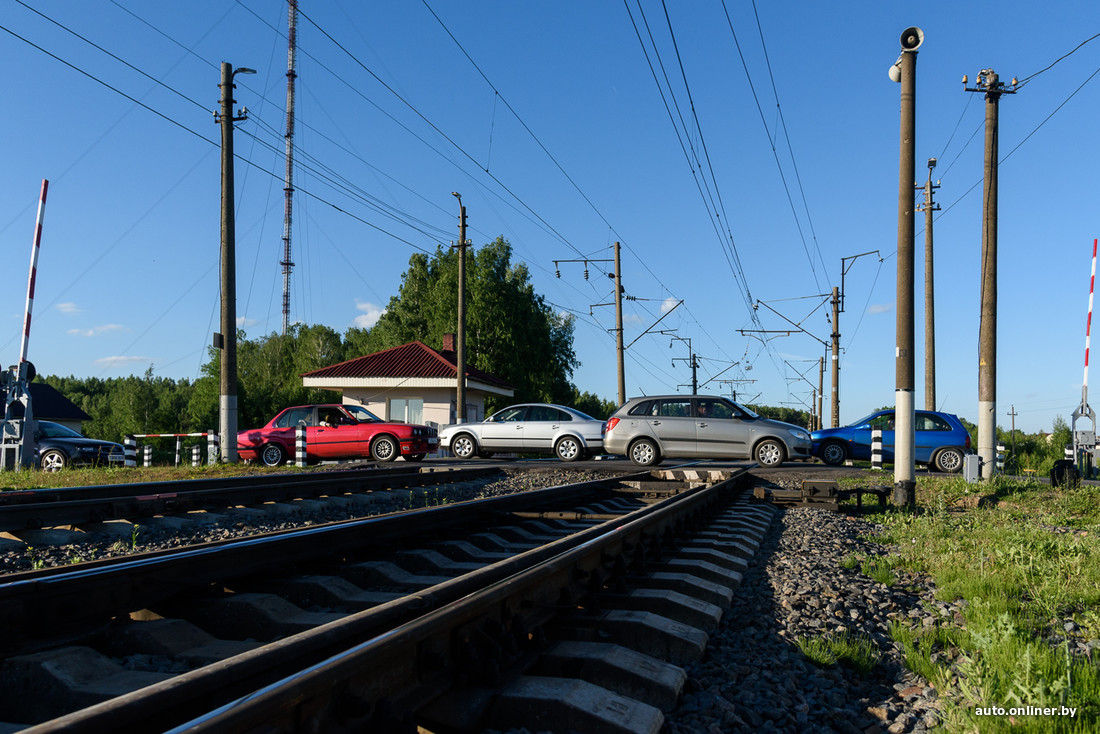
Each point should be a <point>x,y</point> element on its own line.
<point>1021,580</point>
<point>787,415</point>
<point>857,651</point>
<point>505,318</point>
<point>593,405</point>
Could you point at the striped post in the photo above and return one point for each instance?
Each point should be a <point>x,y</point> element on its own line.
<point>129,451</point>
<point>1068,453</point>
<point>196,456</point>
<point>34,272</point>
<point>876,448</point>
<point>179,448</point>
<point>212,447</point>
<point>1000,458</point>
<point>300,444</point>
<point>148,455</point>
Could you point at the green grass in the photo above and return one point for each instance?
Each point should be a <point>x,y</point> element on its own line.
<point>1025,558</point>
<point>856,651</point>
<point>89,476</point>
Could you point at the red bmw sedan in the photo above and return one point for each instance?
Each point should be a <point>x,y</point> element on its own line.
<point>336,432</point>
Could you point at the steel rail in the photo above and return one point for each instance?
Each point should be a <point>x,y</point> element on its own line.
<point>32,509</point>
<point>332,675</point>
<point>67,600</point>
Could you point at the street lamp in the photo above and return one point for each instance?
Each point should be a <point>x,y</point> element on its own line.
<point>460,347</point>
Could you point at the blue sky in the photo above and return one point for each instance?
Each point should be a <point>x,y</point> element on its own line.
<point>548,119</point>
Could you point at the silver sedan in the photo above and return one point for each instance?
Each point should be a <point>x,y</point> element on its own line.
<point>541,428</point>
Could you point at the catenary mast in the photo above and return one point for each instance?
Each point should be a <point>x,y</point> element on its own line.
<point>288,185</point>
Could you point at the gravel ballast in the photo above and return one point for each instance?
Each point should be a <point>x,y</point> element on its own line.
<point>754,677</point>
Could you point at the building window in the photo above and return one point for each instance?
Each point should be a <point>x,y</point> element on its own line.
<point>406,410</point>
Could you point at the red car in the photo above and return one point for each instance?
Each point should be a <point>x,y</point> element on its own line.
<point>336,432</point>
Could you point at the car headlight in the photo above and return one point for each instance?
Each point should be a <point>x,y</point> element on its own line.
<point>801,435</point>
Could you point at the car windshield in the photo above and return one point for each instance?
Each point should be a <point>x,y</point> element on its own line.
<point>747,412</point>
<point>361,414</point>
<point>47,429</point>
<point>865,419</point>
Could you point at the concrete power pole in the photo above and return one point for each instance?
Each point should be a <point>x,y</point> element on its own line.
<point>988,82</point>
<point>227,416</point>
<point>460,347</point>
<point>619,326</point>
<point>836,359</point>
<point>929,207</point>
<point>905,467</point>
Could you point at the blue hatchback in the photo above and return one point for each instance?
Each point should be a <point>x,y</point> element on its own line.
<point>941,440</point>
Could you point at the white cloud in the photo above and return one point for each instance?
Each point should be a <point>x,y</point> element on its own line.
<point>881,308</point>
<point>370,314</point>
<point>121,361</point>
<point>97,330</point>
<point>668,304</point>
<point>243,322</point>
<point>69,308</point>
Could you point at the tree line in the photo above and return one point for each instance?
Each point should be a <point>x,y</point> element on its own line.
<point>511,332</point>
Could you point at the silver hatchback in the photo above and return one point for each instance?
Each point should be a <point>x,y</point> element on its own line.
<point>651,428</point>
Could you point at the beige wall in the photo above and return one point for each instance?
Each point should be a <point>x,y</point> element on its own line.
<point>437,402</point>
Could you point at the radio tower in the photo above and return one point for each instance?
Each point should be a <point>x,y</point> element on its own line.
<point>288,187</point>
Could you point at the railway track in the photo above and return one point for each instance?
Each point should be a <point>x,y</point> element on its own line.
<point>566,607</point>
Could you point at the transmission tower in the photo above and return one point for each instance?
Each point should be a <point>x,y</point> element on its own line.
<point>288,185</point>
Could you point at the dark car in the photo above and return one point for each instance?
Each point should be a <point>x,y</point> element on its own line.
<point>58,446</point>
<point>336,432</point>
<point>941,440</point>
<point>700,427</point>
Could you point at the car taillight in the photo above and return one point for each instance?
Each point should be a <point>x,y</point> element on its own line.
<point>968,440</point>
<point>611,423</point>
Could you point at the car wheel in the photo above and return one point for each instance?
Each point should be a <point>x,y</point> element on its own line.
<point>53,460</point>
<point>834,454</point>
<point>415,457</point>
<point>568,449</point>
<point>643,452</point>
<point>770,452</point>
<point>463,446</point>
<point>384,448</point>
<point>272,454</point>
<point>949,460</point>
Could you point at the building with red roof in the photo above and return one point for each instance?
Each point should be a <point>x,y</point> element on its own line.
<point>412,383</point>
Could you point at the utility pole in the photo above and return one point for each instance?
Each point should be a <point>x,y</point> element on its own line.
<point>1013,415</point>
<point>619,327</point>
<point>928,207</point>
<point>988,82</point>
<point>836,355</point>
<point>690,359</point>
<point>460,348</point>
<point>227,417</point>
<point>620,350</point>
<point>904,71</point>
<point>838,308</point>
<point>820,393</point>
